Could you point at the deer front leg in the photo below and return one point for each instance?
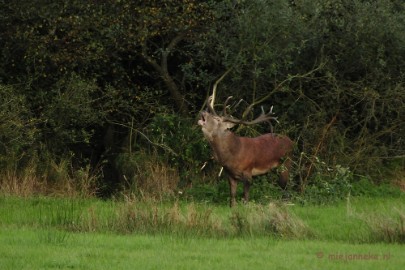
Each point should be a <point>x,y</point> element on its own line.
<point>233,184</point>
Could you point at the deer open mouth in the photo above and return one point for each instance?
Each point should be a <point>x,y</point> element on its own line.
<point>201,122</point>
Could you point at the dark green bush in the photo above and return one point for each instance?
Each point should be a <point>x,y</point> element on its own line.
<point>17,128</point>
<point>365,187</point>
<point>181,140</point>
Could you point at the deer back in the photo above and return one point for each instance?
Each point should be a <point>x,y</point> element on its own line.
<point>255,156</point>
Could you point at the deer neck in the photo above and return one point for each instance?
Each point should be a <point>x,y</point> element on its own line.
<point>224,145</point>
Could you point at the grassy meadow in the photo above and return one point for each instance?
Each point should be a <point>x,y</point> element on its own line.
<point>61,233</point>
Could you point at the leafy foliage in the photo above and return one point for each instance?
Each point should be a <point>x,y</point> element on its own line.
<point>96,81</point>
<point>17,129</point>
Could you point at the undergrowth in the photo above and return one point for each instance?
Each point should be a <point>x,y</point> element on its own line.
<point>195,220</point>
<point>57,218</point>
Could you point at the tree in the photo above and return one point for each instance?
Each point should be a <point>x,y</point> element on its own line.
<point>155,29</point>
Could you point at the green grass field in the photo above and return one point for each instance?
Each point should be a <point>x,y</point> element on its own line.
<point>46,233</point>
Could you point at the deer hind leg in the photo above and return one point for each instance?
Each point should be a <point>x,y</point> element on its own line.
<point>284,174</point>
<point>246,187</point>
<point>233,184</point>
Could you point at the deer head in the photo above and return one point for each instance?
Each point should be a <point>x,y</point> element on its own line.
<point>213,124</point>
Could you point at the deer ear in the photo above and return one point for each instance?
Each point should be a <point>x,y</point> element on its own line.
<point>229,125</point>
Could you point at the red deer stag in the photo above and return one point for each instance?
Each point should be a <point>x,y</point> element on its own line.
<point>243,157</point>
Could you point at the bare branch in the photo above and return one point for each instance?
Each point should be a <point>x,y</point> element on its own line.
<point>163,146</point>
<point>289,79</point>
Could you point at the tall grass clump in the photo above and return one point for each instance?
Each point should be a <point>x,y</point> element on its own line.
<point>152,217</point>
<point>382,224</point>
<point>63,214</point>
<point>20,182</point>
<point>48,175</point>
<point>387,229</point>
<point>272,219</point>
<point>56,220</point>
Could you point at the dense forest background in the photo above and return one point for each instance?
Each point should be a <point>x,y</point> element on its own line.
<point>100,97</point>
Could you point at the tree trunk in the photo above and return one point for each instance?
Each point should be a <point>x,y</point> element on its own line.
<point>163,71</point>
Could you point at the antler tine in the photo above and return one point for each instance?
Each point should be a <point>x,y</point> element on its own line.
<point>263,117</point>
<point>225,105</point>
<point>210,105</point>
<point>239,102</point>
<point>266,116</point>
<point>211,99</point>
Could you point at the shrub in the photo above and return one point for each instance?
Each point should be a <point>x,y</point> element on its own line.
<point>365,187</point>
<point>17,129</point>
<point>327,184</point>
<point>183,144</point>
<point>148,175</point>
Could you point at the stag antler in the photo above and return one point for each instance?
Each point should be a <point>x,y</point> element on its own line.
<point>210,105</point>
<point>263,117</point>
<point>211,99</point>
<point>225,105</point>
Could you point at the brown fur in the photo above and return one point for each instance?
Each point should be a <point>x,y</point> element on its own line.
<point>244,157</point>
